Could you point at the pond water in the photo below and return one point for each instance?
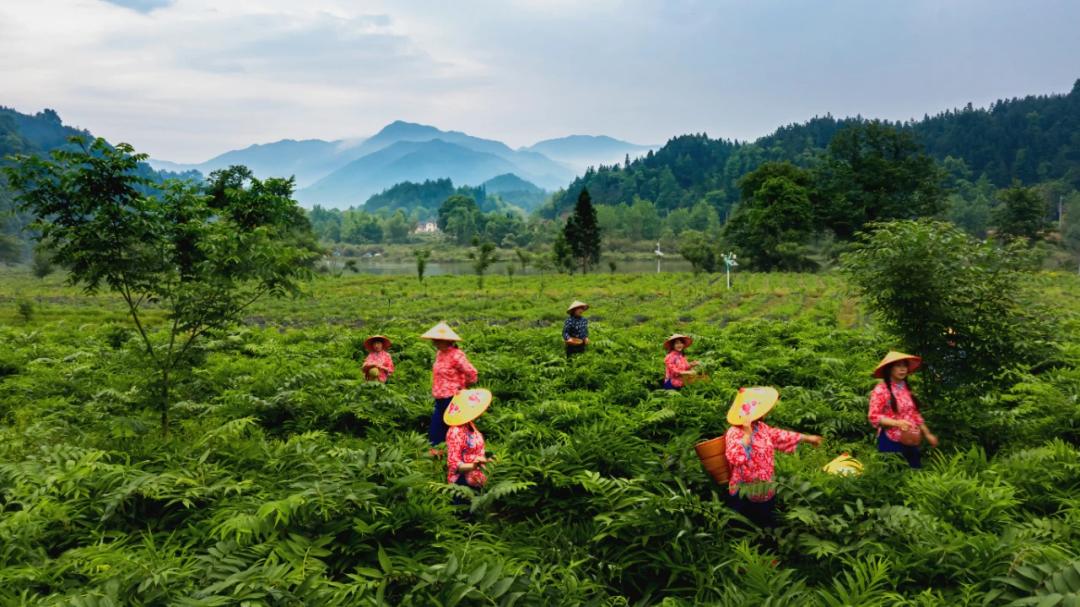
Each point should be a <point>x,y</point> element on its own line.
<point>386,268</point>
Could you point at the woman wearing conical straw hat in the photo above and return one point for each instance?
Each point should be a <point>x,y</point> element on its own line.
<point>575,332</point>
<point>676,367</point>
<point>750,444</point>
<point>378,365</point>
<point>894,410</point>
<point>465,454</point>
<point>450,374</point>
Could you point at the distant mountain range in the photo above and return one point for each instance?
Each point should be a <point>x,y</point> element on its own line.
<point>343,174</point>
<point>583,151</point>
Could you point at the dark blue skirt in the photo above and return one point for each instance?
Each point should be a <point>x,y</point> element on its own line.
<point>888,445</point>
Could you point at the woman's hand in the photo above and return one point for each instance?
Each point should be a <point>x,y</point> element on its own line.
<point>586,342</point>
<point>903,424</point>
<point>694,363</point>
<point>813,439</point>
<point>930,438</point>
<point>480,459</point>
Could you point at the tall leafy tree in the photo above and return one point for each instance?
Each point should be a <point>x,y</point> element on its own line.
<point>1022,213</point>
<point>422,256</point>
<point>483,255</point>
<point>203,259</point>
<point>582,232</point>
<point>774,220</point>
<point>874,172</point>
<point>922,279</point>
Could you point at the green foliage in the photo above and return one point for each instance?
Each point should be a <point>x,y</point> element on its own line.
<point>1022,214</point>
<point>25,308</point>
<point>288,479</point>
<point>582,233</point>
<point>204,258</point>
<point>770,225</point>
<point>873,172</point>
<point>41,266</point>
<point>483,255</point>
<point>924,279</point>
<point>562,255</point>
<point>422,256</point>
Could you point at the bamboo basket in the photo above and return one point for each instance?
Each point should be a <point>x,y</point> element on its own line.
<point>711,453</point>
<point>697,378</point>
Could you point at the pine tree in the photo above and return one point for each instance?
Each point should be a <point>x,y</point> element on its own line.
<point>582,232</point>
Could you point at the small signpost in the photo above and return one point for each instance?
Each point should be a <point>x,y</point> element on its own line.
<point>658,256</point>
<point>729,261</point>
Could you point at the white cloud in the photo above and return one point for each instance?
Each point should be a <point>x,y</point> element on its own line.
<point>189,79</point>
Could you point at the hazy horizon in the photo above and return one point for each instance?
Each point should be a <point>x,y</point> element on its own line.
<point>186,80</point>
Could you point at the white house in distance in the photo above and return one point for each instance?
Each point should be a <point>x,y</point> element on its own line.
<point>426,227</point>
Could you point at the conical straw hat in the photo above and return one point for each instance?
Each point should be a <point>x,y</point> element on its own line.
<point>844,464</point>
<point>466,406</point>
<point>441,331</point>
<point>368,341</point>
<point>914,362</point>
<point>687,340</point>
<point>577,304</point>
<point>751,404</point>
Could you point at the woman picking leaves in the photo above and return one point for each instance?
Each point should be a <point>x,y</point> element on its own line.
<point>749,448</point>
<point>450,374</point>
<point>575,332</point>
<point>894,410</point>
<point>378,365</point>
<point>676,367</point>
<point>465,455</point>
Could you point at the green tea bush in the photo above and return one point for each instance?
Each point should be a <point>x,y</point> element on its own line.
<point>289,480</point>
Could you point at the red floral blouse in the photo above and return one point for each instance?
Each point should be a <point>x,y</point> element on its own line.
<point>463,445</point>
<point>451,372</point>
<point>383,359</point>
<point>753,465</point>
<point>881,408</point>
<point>675,363</point>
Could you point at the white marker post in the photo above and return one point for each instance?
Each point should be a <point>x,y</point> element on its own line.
<point>658,256</point>
<point>729,260</point>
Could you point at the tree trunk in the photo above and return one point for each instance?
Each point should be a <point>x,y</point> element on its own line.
<point>164,404</point>
<point>584,266</point>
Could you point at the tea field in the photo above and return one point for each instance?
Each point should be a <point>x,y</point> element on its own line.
<point>288,480</point>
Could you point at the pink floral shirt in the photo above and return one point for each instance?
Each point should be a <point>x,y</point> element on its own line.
<point>881,408</point>
<point>752,465</point>
<point>675,363</point>
<point>463,445</point>
<point>382,359</point>
<point>451,372</point>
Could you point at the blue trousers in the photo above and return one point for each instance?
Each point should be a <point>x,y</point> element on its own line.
<point>761,514</point>
<point>668,386</point>
<point>437,433</point>
<point>888,445</point>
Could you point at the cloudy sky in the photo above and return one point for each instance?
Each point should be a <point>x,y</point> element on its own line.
<point>184,80</point>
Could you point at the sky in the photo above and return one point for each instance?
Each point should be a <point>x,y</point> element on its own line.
<point>185,80</point>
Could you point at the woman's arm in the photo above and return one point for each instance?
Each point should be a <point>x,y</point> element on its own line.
<point>930,438</point>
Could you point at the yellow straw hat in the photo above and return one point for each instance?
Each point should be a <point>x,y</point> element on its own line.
<point>687,340</point>
<point>466,406</point>
<point>577,304</point>
<point>441,331</point>
<point>368,342</point>
<point>752,404</point>
<point>914,362</point>
<point>844,464</point>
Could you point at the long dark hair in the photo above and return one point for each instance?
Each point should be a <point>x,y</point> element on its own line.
<point>892,397</point>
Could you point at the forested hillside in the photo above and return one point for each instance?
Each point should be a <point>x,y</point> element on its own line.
<point>1033,139</point>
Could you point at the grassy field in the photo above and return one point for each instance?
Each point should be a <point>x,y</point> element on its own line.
<point>287,479</point>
